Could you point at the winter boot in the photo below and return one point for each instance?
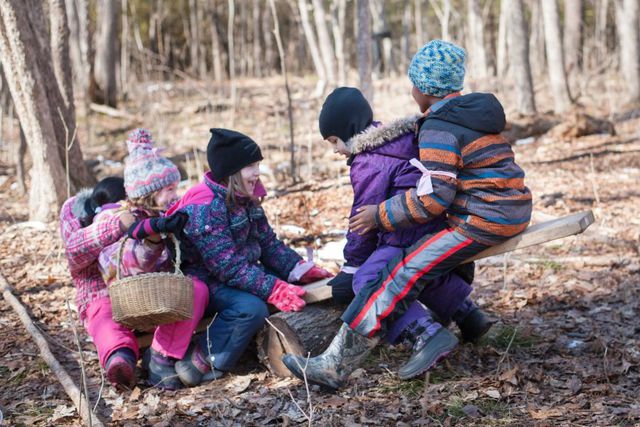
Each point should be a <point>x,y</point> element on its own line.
<point>474,326</point>
<point>121,368</point>
<point>332,368</point>
<point>194,367</point>
<point>162,372</point>
<point>427,351</point>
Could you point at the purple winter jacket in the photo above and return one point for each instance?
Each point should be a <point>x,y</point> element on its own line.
<point>380,169</point>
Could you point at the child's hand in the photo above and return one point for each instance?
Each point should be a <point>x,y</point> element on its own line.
<point>365,220</point>
<point>153,226</point>
<point>314,274</point>
<point>287,297</point>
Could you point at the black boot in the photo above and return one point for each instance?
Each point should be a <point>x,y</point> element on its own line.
<point>332,368</point>
<point>474,326</point>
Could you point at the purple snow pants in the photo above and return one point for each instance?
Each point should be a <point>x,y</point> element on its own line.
<point>443,296</point>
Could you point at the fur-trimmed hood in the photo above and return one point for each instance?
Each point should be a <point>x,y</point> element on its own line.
<point>78,209</point>
<point>376,136</point>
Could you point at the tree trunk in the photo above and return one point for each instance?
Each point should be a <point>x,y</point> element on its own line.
<point>443,12</point>
<point>326,47</point>
<point>216,54</point>
<point>283,69</point>
<point>314,51</point>
<point>405,42</point>
<point>21,53</point>
<point>194,42</point>
<point>600,36</point>
<point>382,61</point>
<point>124,50</point>
<point>268,41</point>
<point>308,331</point>
<point>573,18</point>
<point>364,49</point>
<point>420,35</point>
<point>257,48</point>
<point>232,61</point>
<point>79,42</point>
<point>628,20</point>
<point>555,58</point>
<point>503,29</point>
<point>536,43</point>
<point>21,151</point>
<point>105,62</point>
<point>338,17</point>
<point>518,49</point>
<point>475,41</point>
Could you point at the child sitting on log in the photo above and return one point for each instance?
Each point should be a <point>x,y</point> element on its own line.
<point>468,173</point>
<point>379,157</point>
<point>150,181</point>
<point>83,239</point>
<point>229,245</point>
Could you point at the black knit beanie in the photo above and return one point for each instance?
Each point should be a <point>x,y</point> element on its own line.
<point>229,151</point>
<point>345,113</point>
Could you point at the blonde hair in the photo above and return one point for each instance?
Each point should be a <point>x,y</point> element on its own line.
<point>146,202</point>
<point>235,187</point>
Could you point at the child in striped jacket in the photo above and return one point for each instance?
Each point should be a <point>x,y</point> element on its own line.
<point>468,173</point>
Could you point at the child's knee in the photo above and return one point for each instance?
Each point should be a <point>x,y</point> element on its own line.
<point>254,312</point>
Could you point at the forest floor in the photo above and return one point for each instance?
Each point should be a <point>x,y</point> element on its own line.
<point>565,350</point>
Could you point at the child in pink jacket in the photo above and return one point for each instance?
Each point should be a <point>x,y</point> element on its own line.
<point>83,240</point>
<point>151,181</point>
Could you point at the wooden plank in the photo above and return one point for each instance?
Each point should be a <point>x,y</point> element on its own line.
<point>533,235</point>
<point>542,233</point>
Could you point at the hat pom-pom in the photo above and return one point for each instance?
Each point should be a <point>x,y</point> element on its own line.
<point>139,139</point>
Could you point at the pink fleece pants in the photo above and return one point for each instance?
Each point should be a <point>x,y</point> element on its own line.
<point>171,340</point>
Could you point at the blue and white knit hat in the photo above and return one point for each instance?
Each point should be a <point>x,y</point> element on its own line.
<point>146,171</point>
<point>438,68</point>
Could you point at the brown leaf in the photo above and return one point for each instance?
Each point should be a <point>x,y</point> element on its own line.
<point>510,376</point>
<point>544,413</point>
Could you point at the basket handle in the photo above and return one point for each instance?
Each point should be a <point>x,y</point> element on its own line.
<point>177,263</point>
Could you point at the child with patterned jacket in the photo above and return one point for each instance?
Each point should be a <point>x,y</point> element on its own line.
<point>469,173</point>
<point>229,244</point>
<point>380,167</point>
<point>83,239</point>
<point>151,182</point>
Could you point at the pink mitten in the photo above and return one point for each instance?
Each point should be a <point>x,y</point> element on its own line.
<point>314,274</point>
<point>286,297</point>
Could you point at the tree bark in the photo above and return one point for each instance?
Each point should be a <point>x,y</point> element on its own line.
<point>105,61</point>
<point>216,54</point>
<point>308,331</point>
<point>600,36</point>
<point>338,17</point>
<point>194,42</point>
<point>536,43</point>
<point>79,42</point>
<point>364,49</point>
<point>628,20</point>
<point>382,61</point>
<point>503,28</point>
<point>420,35</point>
<point>232,55</point>
<point>443,12</point>
<point>573,19</point>
<point>478,55</point>
<point>124,50</point>
<point>314,51</point>
<point>326,47</point>
<point>268,41</point>
<point>555,58</point>
<point>405,42</point>
<point>20,50</point>
<point>257,48</point>
<point>518,49</point>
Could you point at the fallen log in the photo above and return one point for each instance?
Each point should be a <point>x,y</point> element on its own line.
<point>80,401</point>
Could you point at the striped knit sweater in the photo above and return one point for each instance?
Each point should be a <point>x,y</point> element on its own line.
<point>487,200</point>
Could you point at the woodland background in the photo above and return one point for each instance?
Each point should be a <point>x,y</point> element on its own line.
<point>78,75</point>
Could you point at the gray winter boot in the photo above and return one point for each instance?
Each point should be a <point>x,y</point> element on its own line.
<point>332,368</point>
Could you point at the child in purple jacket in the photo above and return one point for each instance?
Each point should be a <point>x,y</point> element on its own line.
<point>379,157</point>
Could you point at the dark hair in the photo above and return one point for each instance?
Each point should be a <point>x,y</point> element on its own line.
<point>108,190</point>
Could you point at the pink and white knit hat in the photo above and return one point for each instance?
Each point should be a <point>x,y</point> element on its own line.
<point>146,171</point>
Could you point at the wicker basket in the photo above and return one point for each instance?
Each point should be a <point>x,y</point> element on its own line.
<point>147,300</point>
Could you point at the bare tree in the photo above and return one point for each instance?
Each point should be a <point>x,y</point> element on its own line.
<point>194,42</point>
<point>442,8</point>
<point>405,42</point>
<point>27,61</point>
<point>105,63</point>
<point>216,54</point>
<point>257,49</point>
<point>314,51</point>
<point>628,20</point>
<point>536,42</point>
<point>382,62</point>
<point>503,28</point>
<point>555,57</point>
<point>338,17</point>
<point>600,36</point>
<point>326,47</point>
<point>364,48</point>
<point>478,55</point>
<point>518,49</point>
<point>420,34</point>
<point>573,19</point>
<point>79,42</point>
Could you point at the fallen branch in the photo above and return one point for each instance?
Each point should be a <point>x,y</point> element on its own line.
<point>69,386</point>
<point>113,112</point>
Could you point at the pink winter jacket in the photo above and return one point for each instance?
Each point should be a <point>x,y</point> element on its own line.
<point>82,247</point>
